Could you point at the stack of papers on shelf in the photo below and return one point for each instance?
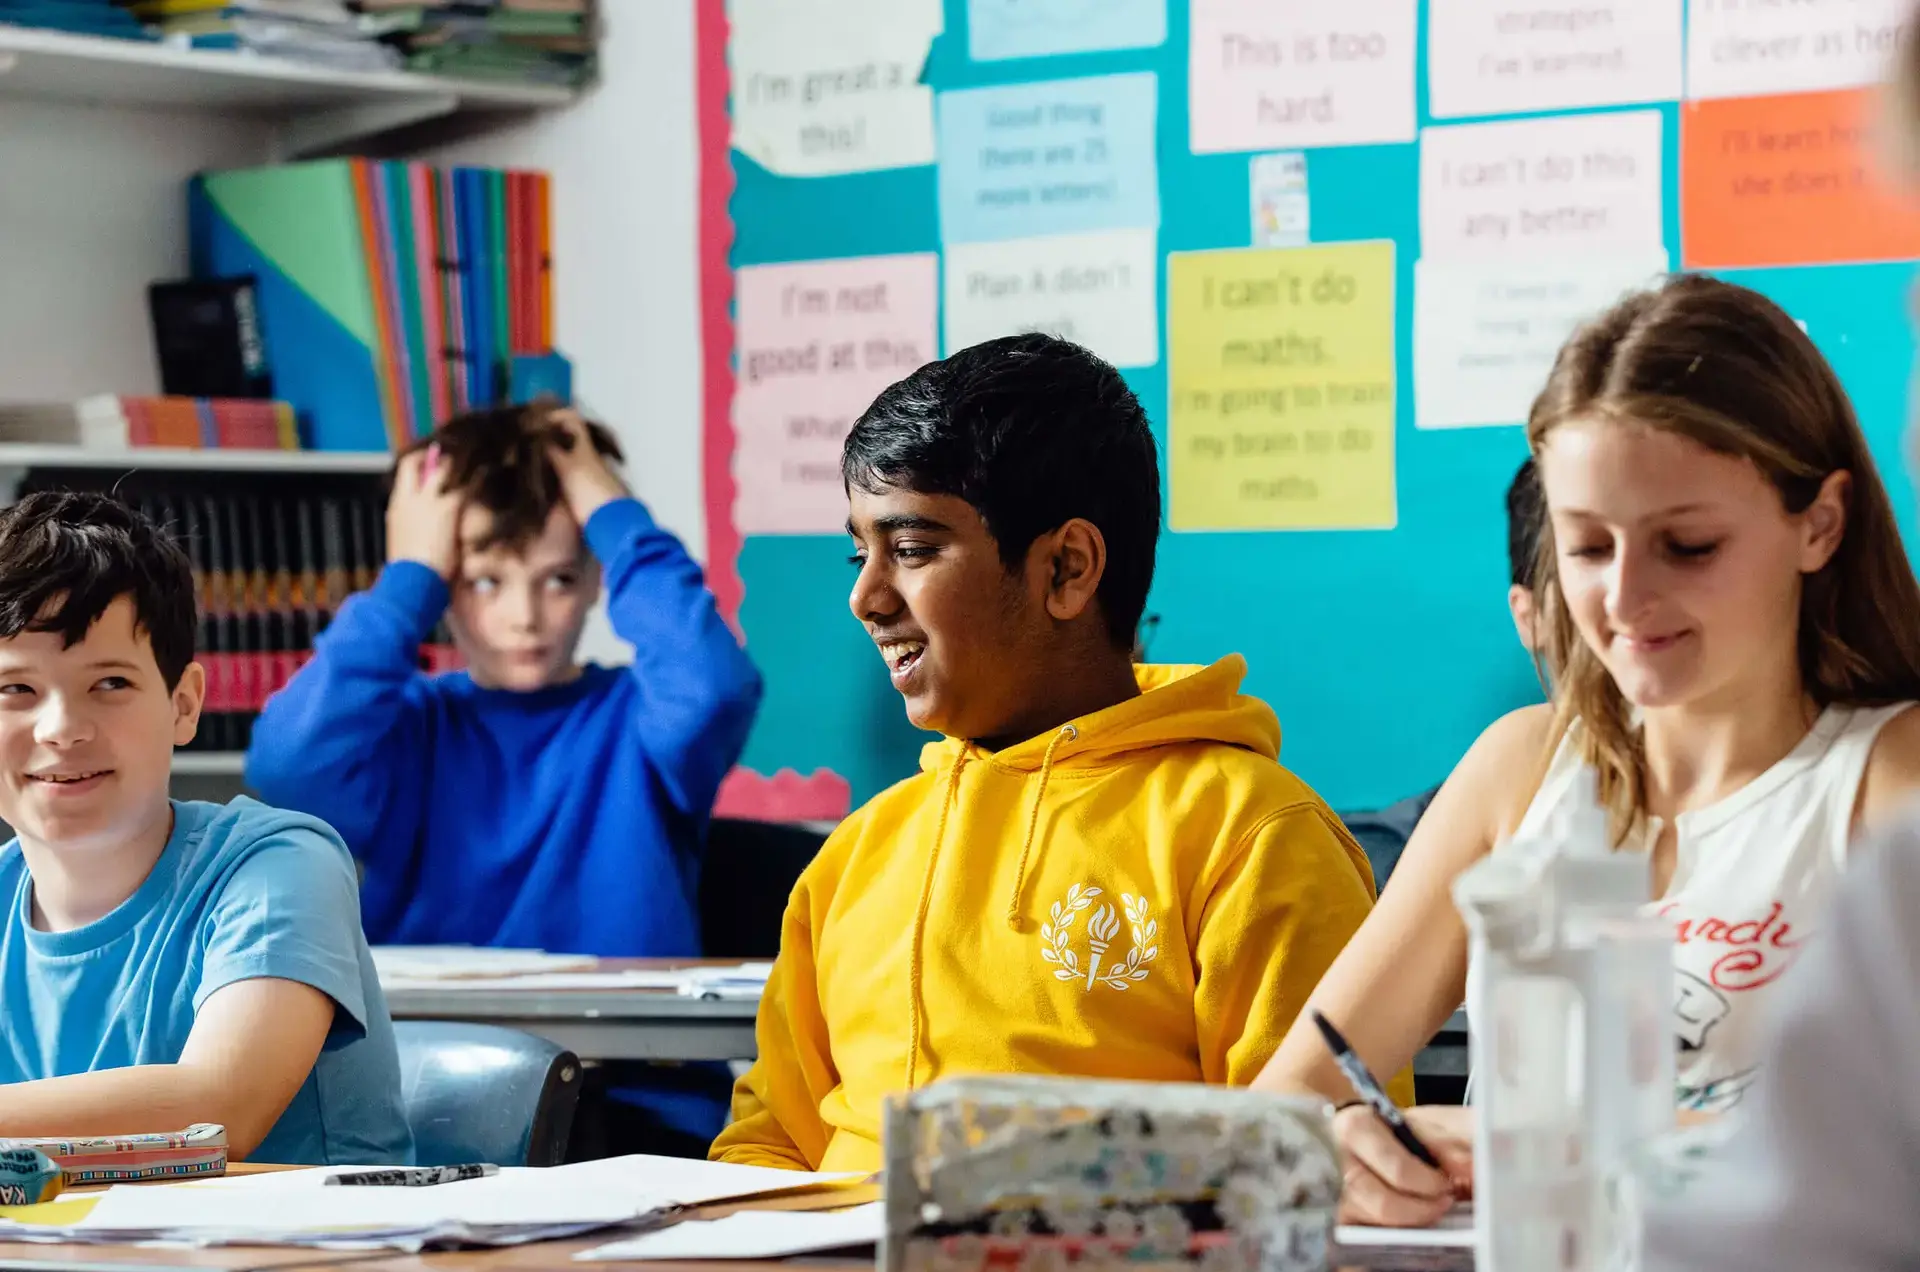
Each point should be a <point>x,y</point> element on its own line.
<point>467,962</point>
<point>516,1206</point>
<point>751,1234</point>
<point>748,980</point>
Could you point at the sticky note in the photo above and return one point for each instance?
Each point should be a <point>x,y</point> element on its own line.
<point>1280,369</point>
<point>1099,290</point>
<point>998,29</point>
<point>1287,74</point>
<point>1053,157</point>
<point>1486,332</point>
<point>817,342</point>
<point>1281,208</point>
<point>1747,48</point>
<point>1550,185</point>
<point>1496,59</point>
<point>1788,181</point>
<point>826,87</point>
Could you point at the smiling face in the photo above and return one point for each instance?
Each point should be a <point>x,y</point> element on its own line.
<point>1679,566</point>
<point>87,732</point>
<point>517,613</point>
<point>960,634</point>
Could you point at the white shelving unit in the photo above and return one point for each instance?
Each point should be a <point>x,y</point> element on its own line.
<point>208,763</point>
<point>313,110</point>
<point>185,459</point>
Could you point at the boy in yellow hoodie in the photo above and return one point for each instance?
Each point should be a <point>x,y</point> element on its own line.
<point>1101,870</point>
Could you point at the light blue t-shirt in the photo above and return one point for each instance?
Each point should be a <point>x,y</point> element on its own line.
<point>241,891</point>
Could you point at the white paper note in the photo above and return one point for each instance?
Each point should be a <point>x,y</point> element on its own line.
<point>1455,1230</point>
<point>1100,290</point>
<point>752,1234</point>
<point>460,962</point>
<point>295,1204</point>
<point>1575,183</point>
<point>1485,332</point>
<point>1757,48</point>
<point>1284,74</point>
<point>823,87</point>
<point>1496,59</point>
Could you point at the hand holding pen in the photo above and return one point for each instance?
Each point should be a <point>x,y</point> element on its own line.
<point>1404,1168</point>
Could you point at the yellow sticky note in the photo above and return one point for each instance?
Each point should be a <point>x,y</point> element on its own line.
<point>61,1213</point>
<point>1281,388</point>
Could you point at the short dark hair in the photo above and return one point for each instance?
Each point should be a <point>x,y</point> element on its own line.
<point>497,459</point>
<point>1032,431</point>
<point>1526,515</point>
<point>67,555</point>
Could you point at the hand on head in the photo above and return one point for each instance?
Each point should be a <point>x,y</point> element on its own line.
<point>423,516</point>
<point>587,481</point>
<point>1388,1186</point>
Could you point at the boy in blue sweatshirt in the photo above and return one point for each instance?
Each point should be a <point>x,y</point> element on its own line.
<point>529,801</point>
<point>162,962</point>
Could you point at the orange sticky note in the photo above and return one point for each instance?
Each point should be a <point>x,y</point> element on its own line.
<point>1789,180</point>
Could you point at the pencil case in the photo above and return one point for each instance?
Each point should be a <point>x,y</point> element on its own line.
<point>1001,1174</point>
<point>200,1150</point>
<point>28,1177</point>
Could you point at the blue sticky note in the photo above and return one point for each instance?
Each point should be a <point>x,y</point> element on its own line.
<point>999,29</point>
<point>1054,157</point>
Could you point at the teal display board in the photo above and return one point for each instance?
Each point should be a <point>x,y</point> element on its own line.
<point>1385,651</point>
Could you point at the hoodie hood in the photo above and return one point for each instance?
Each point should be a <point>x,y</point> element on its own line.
<point>1177,704</point>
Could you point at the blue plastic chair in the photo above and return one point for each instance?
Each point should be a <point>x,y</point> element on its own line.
<point>481,1093</point>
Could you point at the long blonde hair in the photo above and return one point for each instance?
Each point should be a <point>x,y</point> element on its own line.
<point>1727,368</point>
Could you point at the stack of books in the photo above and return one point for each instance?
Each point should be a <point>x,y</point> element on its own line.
<point>324,32</point>
<point>521,41</point>
<point>117,422</point>
<point>438,279</point>
<point>77,17</point>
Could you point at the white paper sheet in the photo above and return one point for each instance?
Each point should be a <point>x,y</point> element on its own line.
<point>293,1205</point>
<point>1487,59</point>
<point>460,962</point>
<point>1485,333</point>
<point>1100,290</point>
<point>633,978</point>
<point>1757,48</point>
<point>752,1234</point>
<point>1455,1230</point>
<point>1542,187</point>
<point>823,87</point>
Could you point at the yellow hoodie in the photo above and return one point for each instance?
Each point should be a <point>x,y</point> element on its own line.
<point>1144,894</point>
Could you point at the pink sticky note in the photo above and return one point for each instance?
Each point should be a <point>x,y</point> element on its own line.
<point>817,341</point>
<point>1295,74</point>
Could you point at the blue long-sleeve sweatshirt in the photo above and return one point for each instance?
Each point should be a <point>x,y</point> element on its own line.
<point>565,819</point>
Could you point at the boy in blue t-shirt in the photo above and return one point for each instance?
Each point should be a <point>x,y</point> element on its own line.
<point>161,963</point>
<point>529,801</point>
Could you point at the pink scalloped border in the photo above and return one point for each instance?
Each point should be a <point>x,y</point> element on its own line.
<point>716,305</point>
<point>786,796</point>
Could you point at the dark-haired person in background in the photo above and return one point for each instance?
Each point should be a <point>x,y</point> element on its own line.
<point>530,801</point>
<point>1384,833</point>
<point>1101,870</point>
<point>161,963</point>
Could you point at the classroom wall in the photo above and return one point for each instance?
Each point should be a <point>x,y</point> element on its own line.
<point>1385,649</point>
<point>93,208</point>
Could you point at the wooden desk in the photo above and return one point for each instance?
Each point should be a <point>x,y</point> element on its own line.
<point>601,1024</point>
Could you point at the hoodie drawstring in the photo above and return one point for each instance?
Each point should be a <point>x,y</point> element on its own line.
<point>920,920</point>
<point>1067,734</point>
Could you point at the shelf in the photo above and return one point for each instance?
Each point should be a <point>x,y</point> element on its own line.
<point>17,456</point>
<point>209,763</point>
<point>317,109</point>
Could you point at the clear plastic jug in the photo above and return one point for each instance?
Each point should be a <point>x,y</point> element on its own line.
<point>1570,1001</point>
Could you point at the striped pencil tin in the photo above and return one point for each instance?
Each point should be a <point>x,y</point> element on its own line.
<point>196,1152</point>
